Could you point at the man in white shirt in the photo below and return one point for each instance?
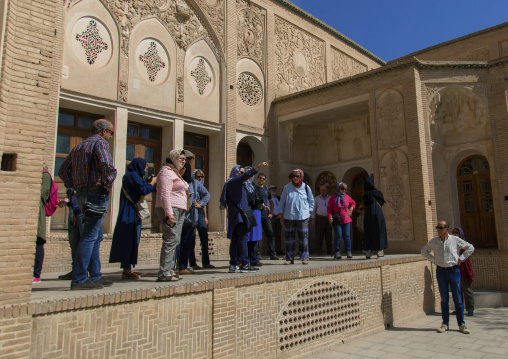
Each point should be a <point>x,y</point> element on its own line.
<point>320,221</point>
<point>446,249</point>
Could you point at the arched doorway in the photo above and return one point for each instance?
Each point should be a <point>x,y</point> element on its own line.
<point>327,179</point>
<point>244,154</point>
<point>475,202</point>
<point>357,189</point>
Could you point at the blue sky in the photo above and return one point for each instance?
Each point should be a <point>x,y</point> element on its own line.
<point>394,28</point>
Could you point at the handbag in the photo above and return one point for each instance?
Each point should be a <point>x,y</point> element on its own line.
<point>141,206</point>
<point>92,210</point>
<point>248,217</point>
<point>336,219</point>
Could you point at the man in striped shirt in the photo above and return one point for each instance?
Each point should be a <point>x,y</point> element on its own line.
<point>89,170</point>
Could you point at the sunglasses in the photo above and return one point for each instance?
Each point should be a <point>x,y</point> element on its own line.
<point>261,179</point>
<point>441,227</point>
<point>343,188</point>
<point>295,176</point>
<point>241,172</point>
<point>199,176</point>
<point>455,232</point>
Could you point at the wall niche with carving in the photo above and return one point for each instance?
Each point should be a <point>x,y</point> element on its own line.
<point>90,50</point>
<point>457,114</point>
<point>201,83</point>
<point>390,119</point>
<point>250,94</point>
<point>251,32</point>
<point>152,66</point>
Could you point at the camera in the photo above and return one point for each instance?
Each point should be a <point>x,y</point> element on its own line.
<point>70,192</point>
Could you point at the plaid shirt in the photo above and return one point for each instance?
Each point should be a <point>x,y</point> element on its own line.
<point>75,170</point>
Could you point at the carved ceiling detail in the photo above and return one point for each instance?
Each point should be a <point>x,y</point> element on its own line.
<point>300,59</point>
<point>251,31</point>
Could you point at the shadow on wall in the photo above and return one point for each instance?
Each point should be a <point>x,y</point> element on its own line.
<point>387,308</point>
<point>428,293</point>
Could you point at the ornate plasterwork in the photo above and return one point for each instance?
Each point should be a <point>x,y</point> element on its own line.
<point>92,42</point>
<point>251,31</point>
<point>249,89</point>
<point>345,66</point>
<point>481,54</point>
<point>152,61</point>
<point>300,59</point>
<point>214,11</point>
<point>201,76</point>
<point>390,116</point>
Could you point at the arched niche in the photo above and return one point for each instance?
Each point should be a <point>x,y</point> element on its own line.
<point>90,50</point>
<point>202,83</point>
<point>152,66</point>
<point>250,92</point>
<point>258,146</point>
<point>328,179</point>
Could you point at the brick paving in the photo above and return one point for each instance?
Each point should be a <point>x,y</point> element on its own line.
<point>418,339</point>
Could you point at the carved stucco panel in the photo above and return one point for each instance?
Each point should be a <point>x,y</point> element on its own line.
<point>390,117</point>
<point>345,66</point>
<point>457,114</point>
<point>300,59</point>
<point>251,31</point>
<point>394,183</point>
<point>214,11</point>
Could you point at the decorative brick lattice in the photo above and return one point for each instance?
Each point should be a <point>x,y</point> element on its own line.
<point>249,89</point>
<point>92,42</point>
<point>201,76</point>
<point>152,61</point>
<point>319,310</point>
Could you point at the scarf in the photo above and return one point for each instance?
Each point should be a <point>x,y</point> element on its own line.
<point>187,176</point>
<point>194,176</point>
<point>248,184</point>
<point>372,192</point>
<point>137,165</point>
<point>299,184</point>
<point>223,196</point>
<point>339,197</point>
<point>466,267</point>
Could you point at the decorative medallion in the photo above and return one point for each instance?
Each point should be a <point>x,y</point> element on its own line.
<point>249,89</point>
<point>152,61</point>
<point>92,42</point>
<point>201,76</point>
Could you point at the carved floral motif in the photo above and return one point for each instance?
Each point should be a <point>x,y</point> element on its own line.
<point>249,89</point>
<point>201,76</point>
<point>152,61</point>
<point>390,116</point>
<point>214,11</point>
<point>345,66</point>
<point>300,59</point>
<point>251,31</point>
<point>92,42</point>
<point>122,91</point>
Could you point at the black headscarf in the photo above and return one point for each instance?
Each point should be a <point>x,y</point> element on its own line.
<point>187,176</point>
<point>137,165</point>
<point>372,192</point>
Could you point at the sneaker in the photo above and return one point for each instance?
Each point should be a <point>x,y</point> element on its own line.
<point>368,254</point>
<point>257,264</point>
<point>234,269</point>
<point>36,280</point>
<point>305,261</point>
<point>195,267</point>
<point>186,271</point>
<point>349,255</point>
<point>274,257</point>
<point>67,276</point>
<point>289,262</point>
<point>249,269</point>
<point>464,329</point>
<point>380,254</point>
<point>470,313</point>
<point>443,328</point>
<point>104,282</point>
<point>338,256</point>
<point>87,285</point>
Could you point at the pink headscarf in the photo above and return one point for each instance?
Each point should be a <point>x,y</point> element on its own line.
<point>301,177</point>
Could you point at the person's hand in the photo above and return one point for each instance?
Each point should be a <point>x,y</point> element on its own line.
<point>62,203</point>
<point>206,220</point>
<point>270,215</point>
<point>281,218</point>
<point>171,220</point>
<point>330,219</point>
<point>263,164</point>
<point>313,222</point>
<point>350,212</point>
<point>197,205</point>
<point>460,262</point>
<point>153,181</point>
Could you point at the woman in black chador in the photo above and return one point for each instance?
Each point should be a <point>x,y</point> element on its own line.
<point>375,237</point>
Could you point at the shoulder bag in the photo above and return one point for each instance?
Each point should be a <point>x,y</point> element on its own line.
<point>141,206</point>
<point>247,216</point>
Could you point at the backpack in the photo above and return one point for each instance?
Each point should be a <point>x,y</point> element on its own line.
<point>52,203</point>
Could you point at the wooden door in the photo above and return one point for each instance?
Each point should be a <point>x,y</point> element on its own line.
<point>199,145</point>
<point>357,189</point>
<point>475,202</point>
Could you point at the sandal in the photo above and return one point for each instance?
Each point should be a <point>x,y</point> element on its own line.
<point>131,275</point>
<point>168,278</point>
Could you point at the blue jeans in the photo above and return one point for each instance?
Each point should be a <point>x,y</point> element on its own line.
<point>450,276</point>
<point>342,230</point>
<point>87,255</point>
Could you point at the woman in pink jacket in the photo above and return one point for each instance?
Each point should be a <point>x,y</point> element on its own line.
<point>170,206</point>
<point>340,208</point>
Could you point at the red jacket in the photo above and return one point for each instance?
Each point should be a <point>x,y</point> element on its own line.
<point>342,210</point>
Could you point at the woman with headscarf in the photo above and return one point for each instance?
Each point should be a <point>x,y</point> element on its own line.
<point>466,277</point>
<point>375,238</point>
<point>256,232</point>
<point>124,248</point>
<point>339,210</point>
<point>234,197</point>
<point>171,203</point>
<point>295,207</point>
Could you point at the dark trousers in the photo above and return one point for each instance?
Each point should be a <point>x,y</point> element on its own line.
<point>203,238</point>
<point>251,249</point>
<point>187,244</point>
<point>266,223</point>
<point>75,227</point>
<point>277,231</point>
<point>467,294</point>
<point>323,229</point>
<point>238,246</point>
<point>39,257</point>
